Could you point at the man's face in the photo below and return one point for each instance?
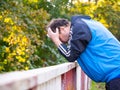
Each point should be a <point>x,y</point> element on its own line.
<point>64,33</point>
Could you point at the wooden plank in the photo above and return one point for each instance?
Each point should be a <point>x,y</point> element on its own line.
<point>52,84</point>
<point>69,80</point>
<point>22,80</point>
<point>58,77</point>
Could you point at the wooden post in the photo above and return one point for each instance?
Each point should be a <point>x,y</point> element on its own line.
<point>69,80</point>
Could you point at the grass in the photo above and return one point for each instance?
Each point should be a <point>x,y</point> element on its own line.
<point>97,86</point>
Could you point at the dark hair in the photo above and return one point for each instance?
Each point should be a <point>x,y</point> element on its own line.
<point>56,23</point>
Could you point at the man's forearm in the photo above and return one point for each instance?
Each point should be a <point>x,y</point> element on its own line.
<point>66,53</point>
<point>57,42</point>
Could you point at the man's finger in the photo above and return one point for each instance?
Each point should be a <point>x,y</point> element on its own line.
<point>57,31</point>
<point>50,31</point>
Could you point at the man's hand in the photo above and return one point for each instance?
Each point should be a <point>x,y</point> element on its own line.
<point>54,36</point>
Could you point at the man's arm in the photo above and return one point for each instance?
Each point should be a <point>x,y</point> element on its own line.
<point>61,47</point>
<point>81,36</point>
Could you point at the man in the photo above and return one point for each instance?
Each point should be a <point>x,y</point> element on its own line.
<point>96,50</point>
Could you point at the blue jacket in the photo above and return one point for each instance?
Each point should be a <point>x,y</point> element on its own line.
<point>96,50</point>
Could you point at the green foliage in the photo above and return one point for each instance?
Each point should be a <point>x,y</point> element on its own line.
<point>105,11</point>
<point>56,8</point>
<point>97,86</point>
<point>23,37</point>
<point>108,12</point>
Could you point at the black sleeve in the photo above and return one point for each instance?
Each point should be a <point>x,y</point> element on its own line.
<point>80,38</point>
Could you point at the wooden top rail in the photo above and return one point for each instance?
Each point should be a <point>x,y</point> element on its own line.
<point>31,78</point>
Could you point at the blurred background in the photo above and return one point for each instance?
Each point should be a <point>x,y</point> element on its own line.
<point>23,41</point>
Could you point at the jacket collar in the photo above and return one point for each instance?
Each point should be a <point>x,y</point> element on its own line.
<point>73,18</point>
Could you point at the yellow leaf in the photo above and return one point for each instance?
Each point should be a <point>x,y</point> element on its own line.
<point>1,17</point>
<point>7,49</point>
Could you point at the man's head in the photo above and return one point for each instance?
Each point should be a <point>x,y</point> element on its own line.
<point>63,26</point>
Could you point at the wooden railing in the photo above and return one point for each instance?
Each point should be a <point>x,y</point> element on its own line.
<point>67,76</point>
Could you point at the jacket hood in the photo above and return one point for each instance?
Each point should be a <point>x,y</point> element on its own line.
<point>74,18</point>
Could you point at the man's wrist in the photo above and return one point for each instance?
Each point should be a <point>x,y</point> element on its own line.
<point>57,42</point>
